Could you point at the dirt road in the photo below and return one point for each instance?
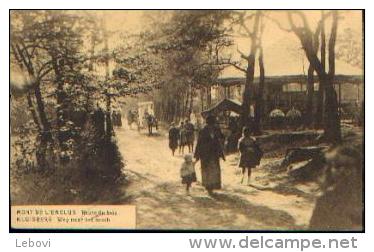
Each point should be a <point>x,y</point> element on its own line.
<point>271,203</point>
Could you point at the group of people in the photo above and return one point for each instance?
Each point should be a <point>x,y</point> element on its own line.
<point>209,151</point>
<point>182,136</point>
<point>148,119</point>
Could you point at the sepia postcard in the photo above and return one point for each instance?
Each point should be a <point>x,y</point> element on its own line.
<point>187,120</point>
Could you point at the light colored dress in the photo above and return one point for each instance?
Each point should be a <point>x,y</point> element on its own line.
<point>187,172</point>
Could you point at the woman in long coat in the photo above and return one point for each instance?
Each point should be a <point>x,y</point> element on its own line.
<point>182,138</point>
<point>190,135</point>
<point>209,151</point>
<point>173,138</point>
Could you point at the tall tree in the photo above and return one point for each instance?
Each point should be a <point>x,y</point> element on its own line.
<point>321,90</point>
<point>250,25</point>
<point>331,120</point>
<point>190,44</point>
<point>310,79</point>
<point>49,46</point>
<point>26,53</point>
<point>259,98</point>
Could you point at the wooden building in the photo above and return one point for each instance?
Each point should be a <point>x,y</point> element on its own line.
<point>287,92</point>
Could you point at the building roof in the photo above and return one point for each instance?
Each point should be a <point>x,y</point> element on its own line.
<point>285,79</point>
<point>224,105</point>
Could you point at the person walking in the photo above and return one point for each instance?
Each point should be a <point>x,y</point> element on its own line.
<point>182,138</point>
<point>209,151</point>
<point>173,138</point>
<point>187,172</point>
<point>250,154</point>
<point>190,135</point>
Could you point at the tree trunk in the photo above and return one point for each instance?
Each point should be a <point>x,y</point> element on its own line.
<point>321,88</point>
<point>25,63</point>
<point>246,106</point>
<point>109,125</point>
<point>320,102</point>
<point>332,128</point>
<point>41,109</point>
<point>310,94</point>
<point>331,120</point>
<point>33,112</point>
<point>208,97</point>
<point>46,134</point>
<point>185,104</point>
<point>172,110</point>
<point>260,96</point>
<point>92,53</point>
<point>202,90</point>
<point>44,127</point>
<point>246,109</point>
<point>61,104</point>
<point>191,103</point>
<point>178,105</point>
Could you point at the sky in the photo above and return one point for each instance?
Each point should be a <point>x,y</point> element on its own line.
<point>282,51</point>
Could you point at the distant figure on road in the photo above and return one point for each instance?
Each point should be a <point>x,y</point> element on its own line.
<point>130,118</point>
<point>187,172</point>
<point>190,134</point>
<point>173,138</point>
<point>209,151</point>
<point>250,153</point>
<point>182,138</point>
<point>117,118</point>
<point>151,122</point>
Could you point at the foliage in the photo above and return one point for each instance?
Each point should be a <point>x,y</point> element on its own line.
<point>276,113</point>
<point>188,45</point>
<point>349,47</point>
<point>63,93</point>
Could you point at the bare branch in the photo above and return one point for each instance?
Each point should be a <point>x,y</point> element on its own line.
<point>316,36</point>
<point>242,55</point>
<point>236,65</point>
<point>280,26</point>
<point>303,18</point>
<point>332,43</point>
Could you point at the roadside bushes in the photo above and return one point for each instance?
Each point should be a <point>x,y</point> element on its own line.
<point>100,165</point>
<point>294,118</point>
<point>88,170</point>
<point>340,207</point>
<point>276,118</point>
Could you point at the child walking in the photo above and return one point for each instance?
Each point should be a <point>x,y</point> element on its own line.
<point>187,172</point>
<point>250,153</point>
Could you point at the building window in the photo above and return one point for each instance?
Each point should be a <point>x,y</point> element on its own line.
<point>316,86</point>
<point>214,92</point>
<point>293,87</point>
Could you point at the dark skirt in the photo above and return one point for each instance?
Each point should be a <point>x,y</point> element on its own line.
<point>173,144</point>
<point>188,179</point>
<point>247,163</point>
<point>211,174</point>
<point>190,137</point>
<point>248,159</point>
<point>183,139</point>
